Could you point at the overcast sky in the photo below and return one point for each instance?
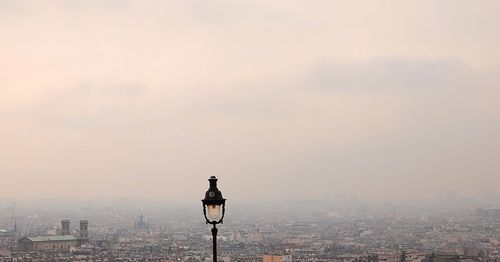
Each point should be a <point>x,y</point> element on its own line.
<point>279,99</point>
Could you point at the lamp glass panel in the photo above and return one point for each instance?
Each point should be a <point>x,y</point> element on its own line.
<point>214,212</point>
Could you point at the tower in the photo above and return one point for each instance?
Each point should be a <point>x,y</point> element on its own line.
<point>65,227</point>
<point>84,230</point>
<point>140,223</point>
<point>14,218</point>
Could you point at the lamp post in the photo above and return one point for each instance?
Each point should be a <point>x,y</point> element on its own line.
<point>216,206</point>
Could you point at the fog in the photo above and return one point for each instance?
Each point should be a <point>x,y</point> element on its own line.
<point>281,100</point>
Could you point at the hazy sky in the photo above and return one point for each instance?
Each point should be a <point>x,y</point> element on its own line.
<point>279,99</point>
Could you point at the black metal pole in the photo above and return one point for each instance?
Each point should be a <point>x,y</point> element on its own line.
<point>214,236</point>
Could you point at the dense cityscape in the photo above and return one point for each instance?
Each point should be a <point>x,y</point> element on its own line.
<point>340,130</point>
<point>323,230</point>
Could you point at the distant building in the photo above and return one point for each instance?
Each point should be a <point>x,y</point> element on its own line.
<point>273,258</point>
<point>413,256</point>
<point>84,231</point>
<point>63,242</point>
<point>140,223</point>
<point>446,258</point>
<point>389,257</point>
<point>286,258</point>
<point>65,227</point>
<point>488,212</point>
<point>5,254</point>
<point>53,231</point>
<point>470,252</point>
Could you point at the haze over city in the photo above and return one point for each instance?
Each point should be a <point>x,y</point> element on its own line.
<point>278,99</point>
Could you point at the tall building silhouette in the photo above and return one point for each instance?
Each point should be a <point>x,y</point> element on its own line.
<point>140,223</point>
<point>65,227</point>
<point>84,231</point>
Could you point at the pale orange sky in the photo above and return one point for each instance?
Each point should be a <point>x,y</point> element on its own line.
<point>279,99</point>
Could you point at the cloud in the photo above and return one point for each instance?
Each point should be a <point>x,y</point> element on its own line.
<point>298,131</point>
<point>319,85</point>
<point>124,90</point>
<point>371,121</point>
<point>385,73</point>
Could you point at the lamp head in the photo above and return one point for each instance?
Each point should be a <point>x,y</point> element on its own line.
<point>214,202</point>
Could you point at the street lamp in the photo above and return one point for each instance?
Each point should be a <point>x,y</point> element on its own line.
<point>214,202</point>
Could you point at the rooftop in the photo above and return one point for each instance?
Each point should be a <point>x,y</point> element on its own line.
<point>53,238</point>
